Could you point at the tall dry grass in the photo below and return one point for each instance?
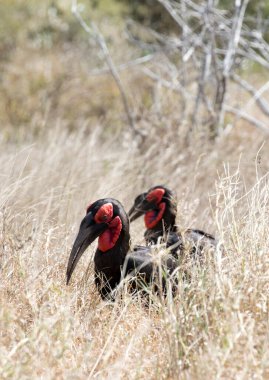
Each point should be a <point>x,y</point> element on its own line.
<point>64,143</point>
<point>216,327</point>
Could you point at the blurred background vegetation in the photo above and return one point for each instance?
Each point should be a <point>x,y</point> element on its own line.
<point>49,66</point>
<point>150,12</point>
<point>45,60</point>
<point>65,141</point>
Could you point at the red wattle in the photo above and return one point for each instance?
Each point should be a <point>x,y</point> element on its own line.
<point>151,218</point>
<point>109,238</point>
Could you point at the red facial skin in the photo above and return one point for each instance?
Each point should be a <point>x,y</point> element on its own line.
<point>104,214</point>
<point>155,195</point>
<point>151,217</point>
<point>109,237</point>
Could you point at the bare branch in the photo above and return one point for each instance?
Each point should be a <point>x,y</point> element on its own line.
<point>165,83</point>
<point>240,8</point>
<point>208,52</point>
<point>94,32</point>
<point>175,15</point>
<point>126,65</point>
<point>256,95</point>
<point>252,120</point>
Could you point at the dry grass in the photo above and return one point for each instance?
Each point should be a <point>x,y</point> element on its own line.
<point>218,324</point>
<point>63,144</point>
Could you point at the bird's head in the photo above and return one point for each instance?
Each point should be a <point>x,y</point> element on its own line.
<point>156,204</point>
<point>106,220</point>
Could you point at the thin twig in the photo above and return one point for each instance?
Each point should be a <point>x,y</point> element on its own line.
<point>94,32</point>
<point>211,47</point>
<point>126,65</point>
<point>240,9</point>
<point>256,95</point>
<point>252,120</point>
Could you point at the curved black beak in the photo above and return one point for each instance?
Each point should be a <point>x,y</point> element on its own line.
<point>88,232</point>
<point>135,212</point>
<point>140,207</point>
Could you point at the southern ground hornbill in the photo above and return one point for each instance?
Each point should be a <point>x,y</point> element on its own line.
<point>107,220</point>
<point>159,208</point>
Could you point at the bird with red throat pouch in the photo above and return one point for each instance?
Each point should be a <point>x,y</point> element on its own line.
<point>107,221</point>
<point>158,205</point>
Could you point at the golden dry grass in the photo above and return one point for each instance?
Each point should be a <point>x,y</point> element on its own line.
<point>63,144</point>
<point>218,324</point>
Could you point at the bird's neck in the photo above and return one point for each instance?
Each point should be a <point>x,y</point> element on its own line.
<point>168,221</point>
<point>166,225</point>
<point>110,261</point>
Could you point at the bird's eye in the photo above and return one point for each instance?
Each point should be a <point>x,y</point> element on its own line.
<point>104,214</point>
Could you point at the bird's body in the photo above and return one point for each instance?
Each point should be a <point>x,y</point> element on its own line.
<point>159,208</point>
<point>150,269</point>
<point>107,220</point>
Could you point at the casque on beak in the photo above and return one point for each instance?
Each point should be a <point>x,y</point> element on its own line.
<point>88,232</point>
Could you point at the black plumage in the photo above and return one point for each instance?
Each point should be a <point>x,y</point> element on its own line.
<point>107,220</point>
<point>159,204</point>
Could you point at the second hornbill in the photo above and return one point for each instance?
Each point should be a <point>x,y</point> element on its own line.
<point>159,207</point>
<point>107,220</point>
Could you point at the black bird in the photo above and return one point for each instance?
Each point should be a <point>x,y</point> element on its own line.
<point>107,220</point>
<point>159,208</point>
